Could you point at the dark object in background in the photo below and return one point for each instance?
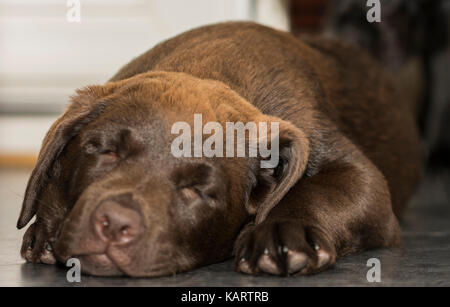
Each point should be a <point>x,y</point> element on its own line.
<point>412,40</point>
<point>307,15</point>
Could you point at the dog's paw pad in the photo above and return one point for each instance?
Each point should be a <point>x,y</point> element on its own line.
<point>296,261</point>
<point>268,265</point>
<point>47,255</point>
<point>244,267</point>
<point>323,258</point>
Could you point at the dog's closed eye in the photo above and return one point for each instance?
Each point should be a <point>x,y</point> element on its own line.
<point>197,183</point>
<point>190,194</point>
<point>108,157</point>
<point>103,157</point>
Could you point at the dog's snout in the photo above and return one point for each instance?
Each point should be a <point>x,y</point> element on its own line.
<point>116,223</point>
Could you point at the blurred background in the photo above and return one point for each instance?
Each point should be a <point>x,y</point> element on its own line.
<point>44,57</point>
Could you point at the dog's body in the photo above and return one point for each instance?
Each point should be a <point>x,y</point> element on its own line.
<point>350,159</point>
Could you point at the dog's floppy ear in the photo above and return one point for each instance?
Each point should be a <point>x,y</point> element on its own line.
<point>85,106</point>
<point>273,183</point>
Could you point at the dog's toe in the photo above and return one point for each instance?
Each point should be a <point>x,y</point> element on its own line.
<point>296,261</point>
<point>268,265</point>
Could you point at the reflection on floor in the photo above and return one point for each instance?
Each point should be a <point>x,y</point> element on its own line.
<point>424,259</point>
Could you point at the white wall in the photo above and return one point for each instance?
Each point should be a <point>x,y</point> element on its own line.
<point>43,57</point>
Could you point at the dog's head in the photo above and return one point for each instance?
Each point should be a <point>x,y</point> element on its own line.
<point>134,207</point>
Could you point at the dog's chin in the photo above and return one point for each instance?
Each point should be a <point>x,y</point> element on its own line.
<point>99,265</point>
<point>103,265</point>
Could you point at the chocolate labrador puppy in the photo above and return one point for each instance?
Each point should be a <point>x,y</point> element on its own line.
<point>108,190</point>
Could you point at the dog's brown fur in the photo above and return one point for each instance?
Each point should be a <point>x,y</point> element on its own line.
<point>350,158</point>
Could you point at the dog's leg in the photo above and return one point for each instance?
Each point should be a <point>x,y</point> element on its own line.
<point>39,237</point>
<point>344,208</point>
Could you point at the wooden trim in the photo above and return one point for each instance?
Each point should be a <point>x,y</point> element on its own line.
<point>17,160</point>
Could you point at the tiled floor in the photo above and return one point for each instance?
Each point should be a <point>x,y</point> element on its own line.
<point>423,261</point>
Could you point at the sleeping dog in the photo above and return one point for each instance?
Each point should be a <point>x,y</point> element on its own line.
<point>108,190</point>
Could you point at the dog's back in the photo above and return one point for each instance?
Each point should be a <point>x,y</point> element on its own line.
<point>319,85</point>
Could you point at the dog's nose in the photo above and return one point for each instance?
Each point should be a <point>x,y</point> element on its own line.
<point>115,223</point>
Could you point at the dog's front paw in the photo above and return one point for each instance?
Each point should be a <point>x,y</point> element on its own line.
<point>283,248</point>
<point>36,245</point>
